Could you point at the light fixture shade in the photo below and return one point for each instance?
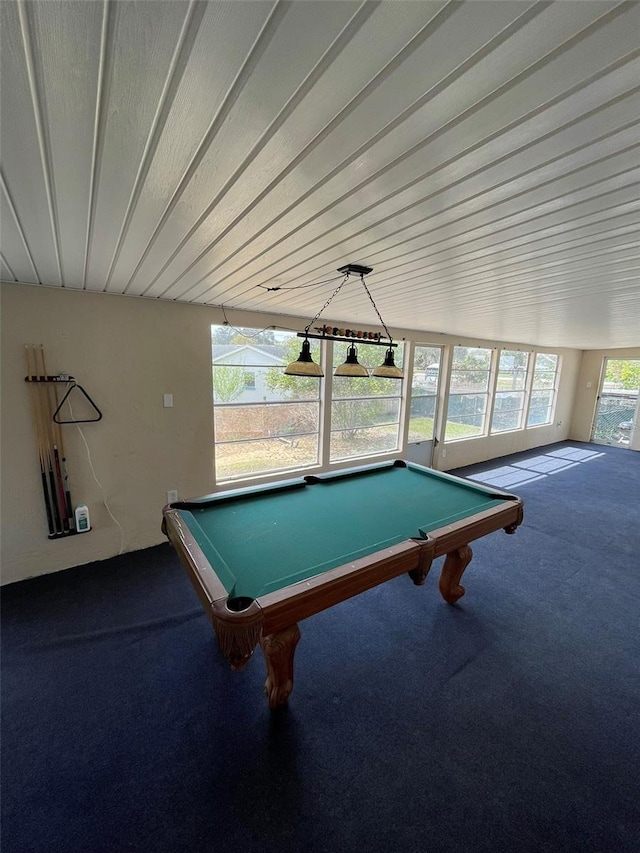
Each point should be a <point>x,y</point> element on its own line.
<point>305,365</point>
<point>352,366</point>
<point>388,369</point>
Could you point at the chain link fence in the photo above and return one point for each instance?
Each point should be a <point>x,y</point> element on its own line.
<point>613,420</point>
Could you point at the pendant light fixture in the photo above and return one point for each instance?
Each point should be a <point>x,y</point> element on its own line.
<point>388,369</point>
<point>305,366</point>
<point>352,366</point>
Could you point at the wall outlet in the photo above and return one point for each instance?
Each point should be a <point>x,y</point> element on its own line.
<point>172,496</point>
<point>444,454</point>
<point>558,423</point>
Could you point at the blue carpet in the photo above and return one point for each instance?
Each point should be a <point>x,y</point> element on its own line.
<point>509,722</point>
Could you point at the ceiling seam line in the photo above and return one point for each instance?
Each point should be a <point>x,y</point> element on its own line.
<point>44,142</point>
<point>103,86</point>
<point>18,224</point>
<point>6,263</point>
<point>188,33</point>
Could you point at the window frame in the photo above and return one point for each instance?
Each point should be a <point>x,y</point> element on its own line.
<point>324,356</point>
<point>227,480</point>
<point>524,391</point>
<point>489,394</point>
<point>329,384</point>
<point>556,381</point>
<point>410,376</point>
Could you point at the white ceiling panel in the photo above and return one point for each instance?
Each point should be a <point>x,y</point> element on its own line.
<point>482,157</point>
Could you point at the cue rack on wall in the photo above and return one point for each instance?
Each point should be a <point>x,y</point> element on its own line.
<point>46,407</point>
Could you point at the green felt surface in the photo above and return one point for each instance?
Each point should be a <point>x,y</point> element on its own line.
<point>269,539</point>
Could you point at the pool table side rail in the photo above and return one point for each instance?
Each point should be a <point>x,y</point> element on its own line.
<point>471,485</point>
<point>237,633</point>
<point>507,515</point>
<point>305,598</point>
<point>240,493</point>
<point>207,584</point>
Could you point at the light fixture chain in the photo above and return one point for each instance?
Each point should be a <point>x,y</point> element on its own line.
<point>376,307</point>
<point>329,300</point>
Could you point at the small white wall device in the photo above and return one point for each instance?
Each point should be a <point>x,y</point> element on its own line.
<point>82,519</point>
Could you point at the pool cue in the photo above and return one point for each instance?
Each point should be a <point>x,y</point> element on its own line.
<point>46,450</point>
<point>46,444</point>
<point>62,456</point>
<point>56,472</point>
<point>44,415</point>
<point>37,429</point>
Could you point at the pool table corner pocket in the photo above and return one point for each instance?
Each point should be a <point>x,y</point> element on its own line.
<point>237,630</point>
<point>425,559</point>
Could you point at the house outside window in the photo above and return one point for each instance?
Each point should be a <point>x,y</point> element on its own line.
<point>264,422</point>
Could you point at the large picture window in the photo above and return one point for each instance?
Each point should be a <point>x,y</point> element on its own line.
<point>365,412</point>
<point>424,391</point>
<point>543,389</point>
<point>469,392</point>
<point>508,405</point>
<point>264,422</point>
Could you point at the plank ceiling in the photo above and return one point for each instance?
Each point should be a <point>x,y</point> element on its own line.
<point>482,157</point>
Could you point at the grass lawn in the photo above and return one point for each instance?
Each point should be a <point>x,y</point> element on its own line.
<point>261,457</point>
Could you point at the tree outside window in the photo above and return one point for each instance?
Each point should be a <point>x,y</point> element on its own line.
<point>424,389</point>
<point>469,392</point>
<point>508,405</point>
<point>260,428</point>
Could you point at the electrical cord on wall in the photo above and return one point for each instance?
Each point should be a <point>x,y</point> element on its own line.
<point>95,477</point>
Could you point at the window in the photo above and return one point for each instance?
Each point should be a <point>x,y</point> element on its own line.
<point>468,392</point>
<point>424,390</point>
<point>264,422</point>
<point>543,389</point>
<point>508,405</point>
<point>365,413</point>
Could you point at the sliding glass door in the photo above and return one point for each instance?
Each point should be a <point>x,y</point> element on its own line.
<point>616,413</point>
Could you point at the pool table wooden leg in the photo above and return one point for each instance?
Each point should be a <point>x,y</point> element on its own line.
<point>454,565</point>
<point>278,649</point>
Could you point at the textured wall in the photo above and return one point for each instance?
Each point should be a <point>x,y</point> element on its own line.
<point>126,353</point>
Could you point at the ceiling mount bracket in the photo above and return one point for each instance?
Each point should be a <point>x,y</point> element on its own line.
<point>355,268</point>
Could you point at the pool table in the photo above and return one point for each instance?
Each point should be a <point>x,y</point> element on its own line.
<point>263,558</point>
